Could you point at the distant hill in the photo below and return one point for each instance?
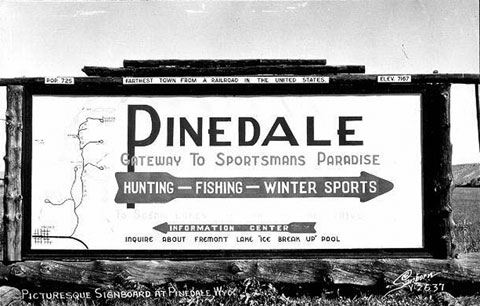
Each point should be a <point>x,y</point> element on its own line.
<point>466,175</point>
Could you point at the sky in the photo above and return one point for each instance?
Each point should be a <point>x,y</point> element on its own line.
<point>58,38</point>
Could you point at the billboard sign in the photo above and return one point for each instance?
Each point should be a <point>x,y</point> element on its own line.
<point>226,172</point>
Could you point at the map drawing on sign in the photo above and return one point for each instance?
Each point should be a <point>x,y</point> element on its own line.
<point>85,138</point>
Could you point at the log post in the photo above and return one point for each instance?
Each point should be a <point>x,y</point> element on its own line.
<point>437,163</point>
<point>12,199</point>
<point>2,227</point>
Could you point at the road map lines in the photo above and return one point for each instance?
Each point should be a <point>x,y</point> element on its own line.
<point>79,178</point>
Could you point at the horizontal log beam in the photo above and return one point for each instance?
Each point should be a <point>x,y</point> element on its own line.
<point>220,71</point>
<point>364,273</point>
<point>341,79</point>
<point>222,63</point>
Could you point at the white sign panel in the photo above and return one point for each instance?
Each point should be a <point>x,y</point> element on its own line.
<point>228,173</point>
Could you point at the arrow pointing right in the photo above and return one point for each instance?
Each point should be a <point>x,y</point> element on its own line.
<point>376,186</point>
<point>162,187</point>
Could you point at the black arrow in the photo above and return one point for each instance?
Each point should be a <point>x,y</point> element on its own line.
<point>161,187</point>
<point>294,228</point>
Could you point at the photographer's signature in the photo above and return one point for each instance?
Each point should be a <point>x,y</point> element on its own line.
<point>417,282</point>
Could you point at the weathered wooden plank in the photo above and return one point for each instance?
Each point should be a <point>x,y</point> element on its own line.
<point>321,272</point>
<point>222,63</point>
<point>221,71</point>
<point>13,209</point>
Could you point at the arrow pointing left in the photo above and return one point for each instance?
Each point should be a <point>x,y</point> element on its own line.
<point>293,228</point>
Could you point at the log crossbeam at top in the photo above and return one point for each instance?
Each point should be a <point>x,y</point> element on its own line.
<point>338,79</point>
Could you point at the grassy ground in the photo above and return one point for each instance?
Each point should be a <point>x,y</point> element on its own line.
<point>252,292</point>
<point>466,207</point>
<point>466,204</point>
<point>267,295</point>
<point>466,214</point>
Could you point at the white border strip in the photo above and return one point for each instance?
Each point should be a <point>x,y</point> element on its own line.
<point>59,80</point>
<point>227,80</point>
<point>405,78</point>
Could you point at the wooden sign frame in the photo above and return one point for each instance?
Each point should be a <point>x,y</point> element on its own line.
<point>436,163</point>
